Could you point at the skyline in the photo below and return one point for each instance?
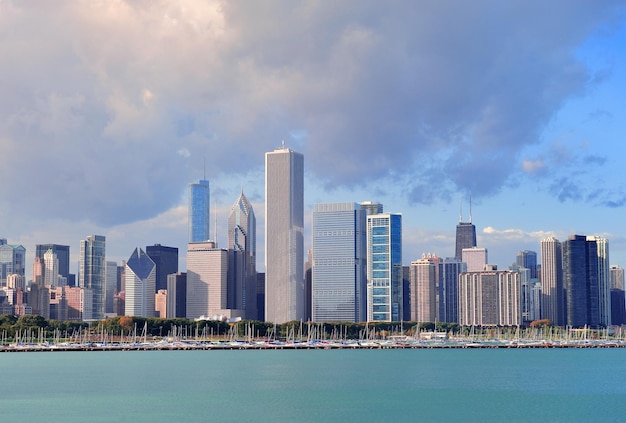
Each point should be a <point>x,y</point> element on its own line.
<point>110,111</point>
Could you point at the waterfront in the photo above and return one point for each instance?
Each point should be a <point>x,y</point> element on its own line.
<point>437,385</point>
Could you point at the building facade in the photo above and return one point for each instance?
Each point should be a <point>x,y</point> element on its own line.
<point>384,267</point>
<point>12,260</point>
<point>166,261</point>
<point>423,282</point>
<point>199,209</point>
<point>92,272</point>
<point>339,281</point>
<point>284,236</point>
<point>242,258</point>
<point>552,288</point>
<point>140,276</point>
<point>490,298</point>
<point>475,257</point>
<point>62,253</point>
<point>451,268</point>
<point>207,268</point>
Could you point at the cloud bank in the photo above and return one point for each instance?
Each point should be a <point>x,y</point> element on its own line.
<point>109,109</point>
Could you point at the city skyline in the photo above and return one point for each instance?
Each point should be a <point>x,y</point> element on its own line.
<point>537,142</point>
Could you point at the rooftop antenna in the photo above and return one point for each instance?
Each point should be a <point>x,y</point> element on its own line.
<point>215,213</point>
<point>461,210</point>
<point>204,168</point>
<point>470,207</point>
<point>283,143</point>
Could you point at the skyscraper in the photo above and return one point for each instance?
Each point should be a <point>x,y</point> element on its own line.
<point>166,261</point>
<point>604,279</point>
<point>207,268</point>
<point>423,275</point>
<point>140,274</point>
<point>51,269</point>
<point>490,298</point>
<point>62,253</point>
<point>199,211</point>
<point>465,234</point>
<point>384,267</point>
<point>449,289</point>
<point>284,236</point>
<point>339,281</point>
<point>528,260</point>
<point>580,278</point>
<point>475,257</point>
<point>92,265</point>
<point>12,260</point>
<point>242,257</point>
<point>552,289</point>
<point>110,286</point>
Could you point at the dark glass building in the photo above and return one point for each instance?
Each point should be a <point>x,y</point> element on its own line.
<point>580,277</point>
<point>63,255</point>
<point>465,238</point>
<point>166,260</point>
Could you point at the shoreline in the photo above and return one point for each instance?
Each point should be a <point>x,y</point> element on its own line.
<point>322,345</point>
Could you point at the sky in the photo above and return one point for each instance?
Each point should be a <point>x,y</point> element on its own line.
<point>108,110</point>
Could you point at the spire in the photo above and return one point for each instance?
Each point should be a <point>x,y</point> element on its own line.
<point>461,210</point>
<point>470,216</point>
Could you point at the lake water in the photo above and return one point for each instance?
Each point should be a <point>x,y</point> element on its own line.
<point>467,385</point>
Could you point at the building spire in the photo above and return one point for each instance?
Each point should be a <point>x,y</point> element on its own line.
<point>470,216</point>
<point>461,210</point>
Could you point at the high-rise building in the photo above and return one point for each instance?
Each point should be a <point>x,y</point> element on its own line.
<point>339,282</point>
<point>616,275</point>
<point>92,272</point>
<point>160,303</point>
<point>552,288</point>
<point>465,234</point>
<point>12,261</point>
<point>166,261</point>
<point>423,279</point>
<point>528,260</point>
<point>604,279</point>
<point>580,279</point>
<point>384,267</point>
<point>242,257</point>
<point>62,253</point>
<point>51,269</point>
<point>199,211</point>
<point>449,289</point>
<point>207,268</point>
<point>140,275</point>
<point>176,295</point>
<point>110,286</point>
<point>475,257</point>
<point>371,207</point>
<point>490,298</point>
<point>284,236</point>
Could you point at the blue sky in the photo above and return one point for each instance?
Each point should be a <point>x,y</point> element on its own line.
<point>109,110</point>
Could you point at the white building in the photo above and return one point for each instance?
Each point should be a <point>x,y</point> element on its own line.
<point>423,286</point>
<point>207,270</point>
<point>284,236</point>
<point>475,257</point>
<point>140,277</point>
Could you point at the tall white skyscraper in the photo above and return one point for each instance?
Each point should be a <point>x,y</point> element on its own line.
<point>140,276</point>
<point>384,267</point>
<point>552,294</point>
<point>51,269</point>
<point>339,282</point>
<point>284,236</point>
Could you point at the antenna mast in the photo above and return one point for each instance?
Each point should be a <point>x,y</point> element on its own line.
<point>470,207</point>
<point>461,210</point>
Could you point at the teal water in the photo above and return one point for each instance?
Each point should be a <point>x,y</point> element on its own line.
<point>503,385</point>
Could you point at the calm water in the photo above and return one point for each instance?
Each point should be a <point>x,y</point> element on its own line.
<point>547,385</point>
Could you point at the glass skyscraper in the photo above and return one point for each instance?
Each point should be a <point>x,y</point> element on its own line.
<point>339,282</point>
<point>92,271</point>
<point>166,262</point>
<point>384,267</point>
<point>580,279</point>
<point>12,260</point>
<point>62,253</point>
<point>284,235</point>
<point>527,259</point>
<point>199,211</point>
<point>242,258</point>
<point>465,238</point>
